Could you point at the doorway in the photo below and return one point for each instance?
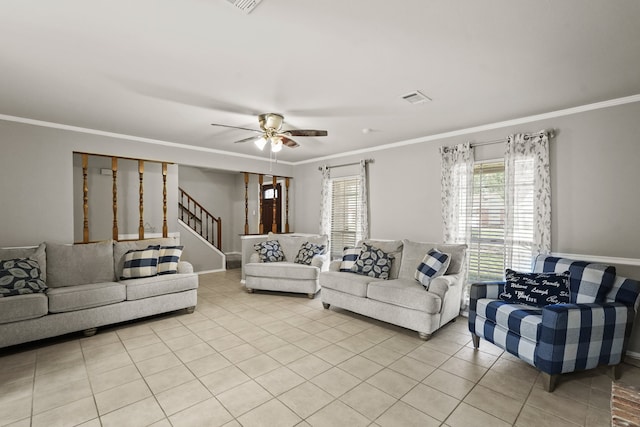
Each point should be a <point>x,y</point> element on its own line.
<point>272,197</point>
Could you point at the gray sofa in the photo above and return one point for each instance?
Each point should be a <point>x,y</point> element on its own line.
<point>84,291</point>
<point>400,300</point>
<point>287,276</point>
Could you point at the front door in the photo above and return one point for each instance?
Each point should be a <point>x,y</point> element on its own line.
<point>271,197</point>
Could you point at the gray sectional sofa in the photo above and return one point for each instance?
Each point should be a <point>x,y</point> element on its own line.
<point>287,276</point>
<point>400,300</point>
<point>84,290</point>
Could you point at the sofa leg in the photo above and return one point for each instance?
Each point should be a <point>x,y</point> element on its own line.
<point>476,341</point>
<point>424,336</point>
<point>311,296</point>
<point>614,372</point>
<point>89,332</point>
<point>190,310</point>
<point>549,381</point>
<point>326,305</point>
<point>249,290</point>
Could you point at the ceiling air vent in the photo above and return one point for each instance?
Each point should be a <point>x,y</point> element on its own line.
<point>416,97</point>
<point>245,5</point>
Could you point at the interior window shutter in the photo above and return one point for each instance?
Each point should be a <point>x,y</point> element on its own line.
<point>345,211</point>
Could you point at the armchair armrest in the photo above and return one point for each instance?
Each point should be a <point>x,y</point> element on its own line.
<point>484,290</point>
<point>335,265</point>
<point>321,261</point>
<point>441,284</point>
<point>254,258</point>
<point>576,337</point>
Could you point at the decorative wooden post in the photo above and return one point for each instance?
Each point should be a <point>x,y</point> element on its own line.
<point>165,228</point>
<point>274,224</point>
<point>141,204</point>
<point>286,223</point>
<point>260,181</point>
<point>114,190</point>
<point>85,198</point>
<point>246,203</point>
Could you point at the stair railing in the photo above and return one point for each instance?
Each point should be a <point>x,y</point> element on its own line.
<point>199,219</point>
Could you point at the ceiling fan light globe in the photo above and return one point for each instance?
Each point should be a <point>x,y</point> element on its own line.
<point>260,143</point>
<point>276,145</point>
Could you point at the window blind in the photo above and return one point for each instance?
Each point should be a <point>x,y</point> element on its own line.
<point>345,213</point>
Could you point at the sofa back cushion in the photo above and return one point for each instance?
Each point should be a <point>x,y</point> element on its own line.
<point>82,264</point>
<point>392,248</point>
<point>589,282</point>
<point>121,248</point>
<point>35,253</point>
<point>291,243</point>
<point>414,252</point>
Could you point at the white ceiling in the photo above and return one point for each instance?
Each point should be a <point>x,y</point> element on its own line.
<point>166,69</point>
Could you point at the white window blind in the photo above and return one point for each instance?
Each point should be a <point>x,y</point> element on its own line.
<point>488,247</point>
<point>345,213</point>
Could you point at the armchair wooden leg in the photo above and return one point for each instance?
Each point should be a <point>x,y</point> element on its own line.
<point>424,336</point>
<point>614,372</point>
<point>476,341</point>
<point>549,381</point>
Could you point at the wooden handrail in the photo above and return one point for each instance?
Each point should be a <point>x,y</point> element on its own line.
<point>200,219</point>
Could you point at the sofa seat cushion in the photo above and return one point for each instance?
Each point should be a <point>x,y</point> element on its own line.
<point>159,285</point>
<point>283,270</point>
<point>405,293</point>
<point>523,320</point>
<point>23,307</point>
<point>72,298</point>
<point>349,283</point>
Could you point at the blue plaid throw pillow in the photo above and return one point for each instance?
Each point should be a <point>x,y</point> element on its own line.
<point>269,251</point>
<point>537,289</point>
<point>141,263</point>
<point>307,251</point>
<point>168,259</point>
<point>433,264</point>
<point>349,257</point>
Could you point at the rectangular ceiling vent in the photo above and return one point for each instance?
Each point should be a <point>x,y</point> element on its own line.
<point>416,97</point>
<point>245,5</point>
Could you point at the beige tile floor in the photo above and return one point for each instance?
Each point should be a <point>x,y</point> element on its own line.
<point>267,359</point>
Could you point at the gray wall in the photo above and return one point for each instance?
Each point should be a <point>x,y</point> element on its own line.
<point>595,178</point>
<point>37,186</point>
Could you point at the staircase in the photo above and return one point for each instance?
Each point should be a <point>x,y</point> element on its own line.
<point>199,219</point>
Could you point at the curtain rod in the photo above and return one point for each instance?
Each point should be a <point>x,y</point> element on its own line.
<point>347,164</point>
<point>550,134</point>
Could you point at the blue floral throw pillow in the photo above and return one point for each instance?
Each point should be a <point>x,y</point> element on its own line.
<point>20,276</point>
<point>269,251</point>
<point>434,264</point>
<point>373,262</point>
<point>307,251</point>
<point>537,289</point>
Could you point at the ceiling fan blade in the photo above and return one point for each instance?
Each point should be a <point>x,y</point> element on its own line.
<point>306,132</point>
<point>236,127</point>
<point>289,142</point>
<point>251,138</point>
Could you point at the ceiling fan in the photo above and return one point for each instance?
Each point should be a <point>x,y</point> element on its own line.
<point>271,131</point>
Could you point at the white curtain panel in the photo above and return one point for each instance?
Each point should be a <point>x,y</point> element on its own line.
<point>527,188</point>
<point>364,202</point>
<point>456,188</point>
<point>325,201</point>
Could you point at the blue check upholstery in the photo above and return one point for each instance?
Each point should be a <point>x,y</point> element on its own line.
<point>560,338</point>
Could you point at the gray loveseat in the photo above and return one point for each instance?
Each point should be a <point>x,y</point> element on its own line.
<point>400,300</point>
<point>84,291</point>
<point>287,276</point>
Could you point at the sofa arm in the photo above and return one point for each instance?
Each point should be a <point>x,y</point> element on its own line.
<point>335,265</point>
<point>321,261</point>
<point>441,284</point>
<point>478,291</point>
<point>254,258</point>
<point>575,337</point>
<point>184,267</point>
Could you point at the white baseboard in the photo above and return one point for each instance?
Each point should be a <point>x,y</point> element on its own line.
<point>211,271</point>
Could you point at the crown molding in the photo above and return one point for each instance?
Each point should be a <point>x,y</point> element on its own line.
<point>497,125</point>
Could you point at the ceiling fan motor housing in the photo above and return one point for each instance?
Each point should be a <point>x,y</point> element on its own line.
<point>270,121</point>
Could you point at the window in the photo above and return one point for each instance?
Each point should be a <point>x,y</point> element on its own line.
<point>345,213</point>
<point>488,247</point>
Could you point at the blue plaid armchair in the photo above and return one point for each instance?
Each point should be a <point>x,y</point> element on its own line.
<point>591,330</point>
